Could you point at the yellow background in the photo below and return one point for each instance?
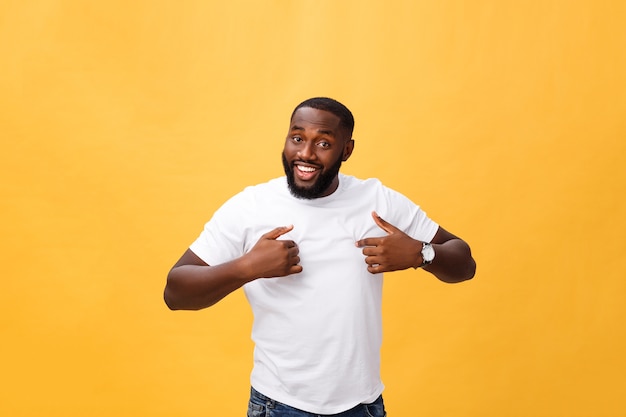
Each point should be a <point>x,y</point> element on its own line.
<point>124,125</point>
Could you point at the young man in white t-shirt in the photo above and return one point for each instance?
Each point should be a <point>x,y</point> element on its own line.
<point>310,249</point>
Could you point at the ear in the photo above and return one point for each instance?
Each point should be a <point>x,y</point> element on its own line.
<point>347,150</point>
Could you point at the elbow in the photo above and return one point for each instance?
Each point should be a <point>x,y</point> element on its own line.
<point>170,299</point>
<point>462,267</point>
<point>470,270</point>
<point>467,272</point>
<point>171,296</point>
<point>178,296</point>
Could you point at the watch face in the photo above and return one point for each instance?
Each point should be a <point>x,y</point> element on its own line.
<point>428,253</point>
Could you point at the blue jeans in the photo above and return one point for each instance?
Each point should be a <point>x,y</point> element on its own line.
<point>262,406</point>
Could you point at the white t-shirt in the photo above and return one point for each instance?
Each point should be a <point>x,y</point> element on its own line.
<point>318,333</point>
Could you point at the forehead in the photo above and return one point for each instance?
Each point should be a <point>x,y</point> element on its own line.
<point>310,118</point>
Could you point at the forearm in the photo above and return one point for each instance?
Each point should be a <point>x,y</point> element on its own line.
<point>453,261</point>
<point>194,287</point>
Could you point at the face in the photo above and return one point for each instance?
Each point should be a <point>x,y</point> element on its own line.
<point>315,147</point>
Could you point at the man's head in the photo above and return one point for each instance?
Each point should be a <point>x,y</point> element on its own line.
<point>318,141</point>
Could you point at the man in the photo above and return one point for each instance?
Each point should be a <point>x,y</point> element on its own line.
<point>310,250</point>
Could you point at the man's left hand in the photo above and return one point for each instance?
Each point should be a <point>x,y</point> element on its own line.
<point>394,252</point>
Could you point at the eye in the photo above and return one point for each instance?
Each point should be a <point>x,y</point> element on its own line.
<point>296,139</point>
<point>324,145</point>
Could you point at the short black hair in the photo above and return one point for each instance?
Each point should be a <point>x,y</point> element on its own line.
<point>346,120</point>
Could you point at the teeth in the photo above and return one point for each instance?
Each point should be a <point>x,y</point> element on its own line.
<point>305,169</point>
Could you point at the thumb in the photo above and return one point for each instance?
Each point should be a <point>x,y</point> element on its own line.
<point>382,223</point>
<point>277,232</point>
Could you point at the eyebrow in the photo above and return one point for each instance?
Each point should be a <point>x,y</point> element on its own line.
<point>320,131</point>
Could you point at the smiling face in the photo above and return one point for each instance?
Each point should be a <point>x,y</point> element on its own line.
<point>315,147</point>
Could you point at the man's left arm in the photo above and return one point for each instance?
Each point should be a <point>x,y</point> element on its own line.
<point>396,251</point>
<point>453,260</point>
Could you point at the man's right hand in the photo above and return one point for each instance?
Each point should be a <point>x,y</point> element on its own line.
<point>271,257</point>
<point>192,284</point>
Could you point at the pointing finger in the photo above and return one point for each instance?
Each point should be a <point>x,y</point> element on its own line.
<point>382,223</point>
<point>277,232</point>
<point>368,241</point>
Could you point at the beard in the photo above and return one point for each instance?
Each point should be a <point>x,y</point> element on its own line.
<point>319,187</point>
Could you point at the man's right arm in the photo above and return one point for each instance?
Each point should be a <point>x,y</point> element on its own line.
<point>194,285</point>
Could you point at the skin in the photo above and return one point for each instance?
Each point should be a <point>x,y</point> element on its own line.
<point>315,143</point>
<point>397,251</point>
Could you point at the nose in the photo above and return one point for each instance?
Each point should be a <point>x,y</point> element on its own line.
<point>307,152</point>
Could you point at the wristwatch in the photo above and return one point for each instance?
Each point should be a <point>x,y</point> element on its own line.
<point>428,254</point>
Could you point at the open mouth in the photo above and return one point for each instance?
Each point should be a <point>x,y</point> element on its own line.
<point>305,172</point>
